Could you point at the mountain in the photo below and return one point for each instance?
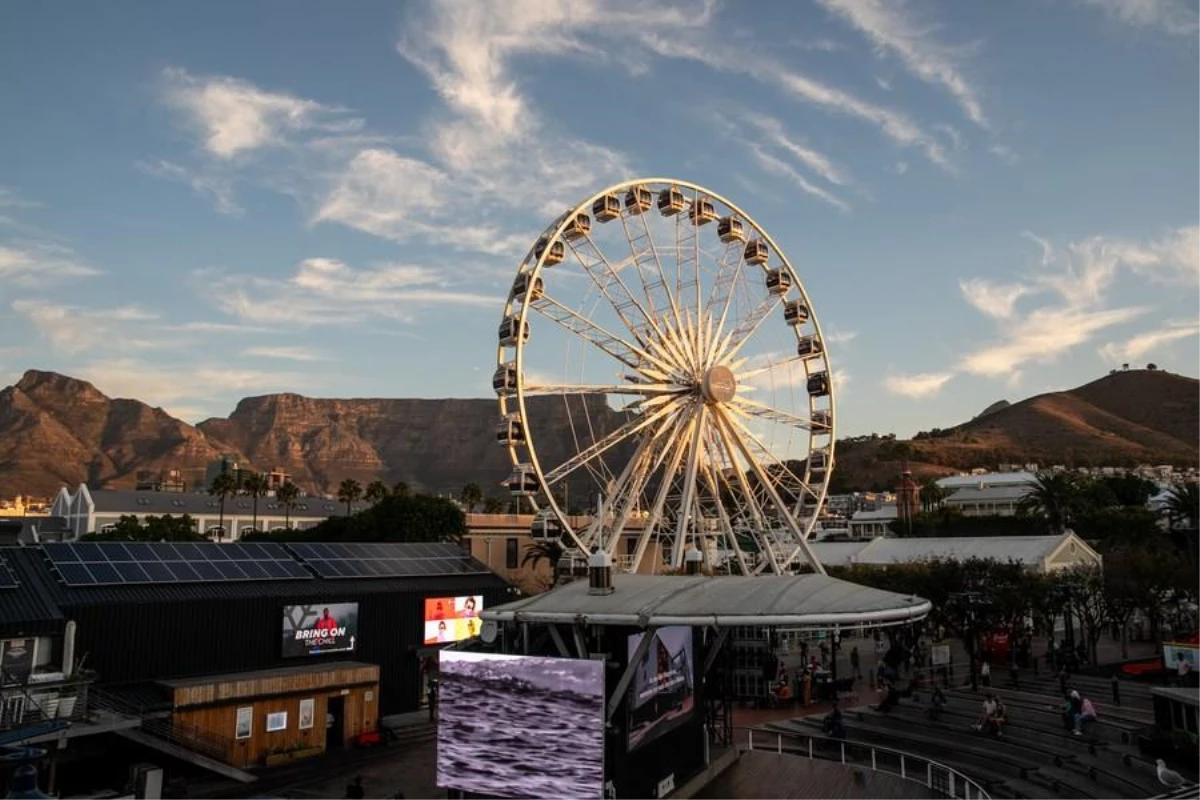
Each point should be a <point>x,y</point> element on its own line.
<point>57,430</point>
<point>994,407</point>
<point>1125,418</point>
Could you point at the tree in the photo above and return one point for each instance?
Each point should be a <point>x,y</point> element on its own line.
<point>1183,503</point>
<point>223,487</point>
<point>287,496</point>
<point>400,489</point>
<point>156,529</point>
<point>471,496</point>
<point>255,486</point>
<point>1055,495</point>
<point>412,518</point>
<point>931,495</point>
<point>348,492</point>
<point>493,505</point>
<point>550,550</point>
<point>1088,602</point>
<point>376,491</point>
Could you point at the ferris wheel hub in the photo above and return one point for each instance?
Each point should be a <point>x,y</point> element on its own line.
<point>719,385</point>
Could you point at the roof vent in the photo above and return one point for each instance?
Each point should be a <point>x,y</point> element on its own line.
<point>692,560</point>
<point>600,573</point>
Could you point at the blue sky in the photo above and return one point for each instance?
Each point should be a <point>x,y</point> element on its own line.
<point>204,201</point>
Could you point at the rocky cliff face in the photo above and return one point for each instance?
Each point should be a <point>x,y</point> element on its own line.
<point>55,430</point>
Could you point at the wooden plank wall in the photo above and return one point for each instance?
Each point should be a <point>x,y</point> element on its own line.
<point>360,715</point>
<point>282,684</point>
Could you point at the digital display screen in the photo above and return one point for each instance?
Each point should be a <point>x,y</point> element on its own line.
<point>662,694</point>
<point>319,629</point>
<point>452,619</point>
<point>520,726</point>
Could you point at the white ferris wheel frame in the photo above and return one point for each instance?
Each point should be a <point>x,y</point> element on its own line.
<point>733,435</point>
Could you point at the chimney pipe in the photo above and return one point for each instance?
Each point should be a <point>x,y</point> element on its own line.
<point>600,573</point>
<point>693,559</point>
<point>68,656</point>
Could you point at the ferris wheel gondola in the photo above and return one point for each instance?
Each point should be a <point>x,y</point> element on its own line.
<point>690,373</point>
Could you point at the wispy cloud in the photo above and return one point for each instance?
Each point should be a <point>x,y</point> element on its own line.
<point>926,384</point>
<point>995,300</point>
<point>35,263</point>
<point>11,198</point>
<point>71,329</point>
<point>285,353</point>
<point>777,166</point>
<point>1148,342</point>
<point>819,163</point>
<point>841,337</point>
<point>236,117</point>
<point>1004,153</point>
<point>218,189</point>
<point>892,27</point>
<point>325,291</point>
<point>1174,17</point>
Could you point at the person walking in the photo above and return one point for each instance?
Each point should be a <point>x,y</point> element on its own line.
<point>1062,679</point>
<point>985,672</point>
<point>855,672</point>
<point>1014,675</point>
<point>1116,689</point>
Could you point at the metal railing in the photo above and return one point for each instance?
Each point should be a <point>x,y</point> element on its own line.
<point>934,775</point>
<point>35,702</point>
<point>189,737</point>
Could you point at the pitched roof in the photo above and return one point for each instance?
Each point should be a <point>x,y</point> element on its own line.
<point>992,494</point>
<point>658,600</point>
<point>28,608</point>
<point>885,513</point>
<point>988,479</point>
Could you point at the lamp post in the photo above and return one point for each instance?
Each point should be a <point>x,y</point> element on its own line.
<point>835,645</point>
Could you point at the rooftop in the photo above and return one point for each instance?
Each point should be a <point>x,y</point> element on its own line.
<point>987,479</point>
<point>120,501</point>
<point>993,494</point>
<point>659,600</point>
<point>1031,550</point>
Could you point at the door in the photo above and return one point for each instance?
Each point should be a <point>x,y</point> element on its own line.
<point>335,723</point>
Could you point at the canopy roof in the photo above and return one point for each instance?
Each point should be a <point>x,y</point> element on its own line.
<point>658,600</point>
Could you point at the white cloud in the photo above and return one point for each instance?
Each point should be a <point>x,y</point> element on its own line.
<point>1175,17</point>
<point>900,167</point>
<point>219,190</point>
<point>285,352</point>
<point>891,28</point>
<point>1143,343</point>
<point>73,330</point>
<point>1004,153</point>
<point>895,125</point>
<point>10,198</point>
<point>35,263</point>
<point>995,300</point>
<point>236,117</point>
<point>926,384</point>
<point>325,291</point>
<point>774,165</point>
<point>841,337</point>
<point>816,162</point>
<point>190,392</point>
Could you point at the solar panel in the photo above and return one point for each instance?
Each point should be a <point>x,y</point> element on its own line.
<point>7,579</point>
<point>384,559</point>
<point>121,563</point>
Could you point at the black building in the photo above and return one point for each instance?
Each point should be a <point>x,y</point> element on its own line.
<point>147,624</point>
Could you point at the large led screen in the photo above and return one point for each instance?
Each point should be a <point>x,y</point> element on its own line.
<point>662,696</point>
<point>319,629</point>
<point>452,619</point>
<point>520,726</point>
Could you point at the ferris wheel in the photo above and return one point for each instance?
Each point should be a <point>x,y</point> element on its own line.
<point>664,386</point>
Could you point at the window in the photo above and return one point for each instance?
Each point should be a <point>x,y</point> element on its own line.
<point>511,560</point>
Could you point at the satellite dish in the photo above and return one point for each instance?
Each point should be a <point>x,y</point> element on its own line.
<point>488,631</point>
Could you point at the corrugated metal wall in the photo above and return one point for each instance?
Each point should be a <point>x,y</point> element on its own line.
<point>128,643</point>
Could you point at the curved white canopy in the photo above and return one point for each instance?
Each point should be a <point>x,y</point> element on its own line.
<point>659,600</point>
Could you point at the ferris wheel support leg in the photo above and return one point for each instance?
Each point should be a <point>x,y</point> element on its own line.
<point>689,488</point>
<point>678,446</point>
<point>756,512</point>
<point>764,479</point>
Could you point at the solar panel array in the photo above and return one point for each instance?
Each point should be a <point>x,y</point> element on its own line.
<point>385,560</point>
<point>119,563</point>
<point>7,579</point>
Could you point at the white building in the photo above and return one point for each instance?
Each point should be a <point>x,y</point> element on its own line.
<point>987,479</point>
<point>870,524</point>
<point>1040,553</point>
<point>88,511</point>
<point>987,501</point>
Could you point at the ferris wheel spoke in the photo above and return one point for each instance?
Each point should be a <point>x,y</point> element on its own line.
<point>628,354</point>
<point>749,407</point>
<point>746,375</point>
<point>746,328</point>
<point>607,279</point>
<point>782,508</point>
<point>646,257</point>
<point>687,504</point>
<point>723,520</point>
<point>642,389</point>
<point>613,491</point>
<point>759,522</point>
<point>800,486</point>
<point>722,290</point>
<point>630,428</point>
<point>669,458</point>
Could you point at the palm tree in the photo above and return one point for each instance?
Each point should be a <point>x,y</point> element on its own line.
<point>471,496</point>
<point>287,495</point>
<point>931,494</point>
<point>349,491</point>
<point>255,486</point>
<point>550,550</point>
<point>1183,503</point>
<point>1055,495</point>
<point>223,486</point>
<point>400,489</point>
<point>376,491</point>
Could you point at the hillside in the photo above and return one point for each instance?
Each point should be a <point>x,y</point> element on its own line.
<point>55,430</point>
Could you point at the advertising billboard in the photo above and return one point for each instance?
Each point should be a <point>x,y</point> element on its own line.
<point>319,629</point>
<point>662,695</point>
<point>452,619</point>
<point>520,726</point>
